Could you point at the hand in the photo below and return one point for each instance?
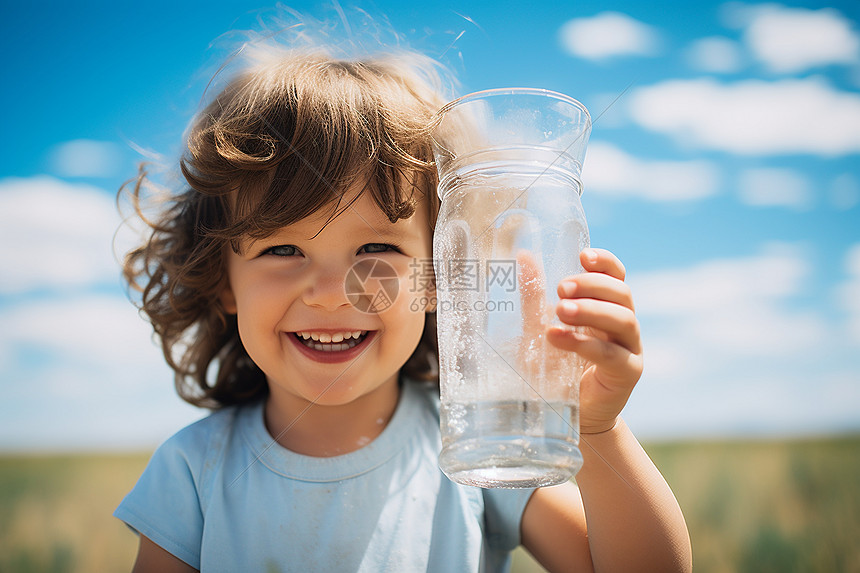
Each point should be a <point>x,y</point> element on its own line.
<point>609,341</point>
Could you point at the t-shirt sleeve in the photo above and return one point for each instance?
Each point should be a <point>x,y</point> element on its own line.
<point>503,512</point>
<point>165,504</point>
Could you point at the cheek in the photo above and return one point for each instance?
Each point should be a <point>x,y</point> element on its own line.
<point>260,308</point>
<point>407,333</point>
<point>256,291</point>
<point>258,323</point>
<point>408,311</point>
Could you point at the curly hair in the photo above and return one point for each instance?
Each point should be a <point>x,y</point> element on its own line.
<point>285,138</point>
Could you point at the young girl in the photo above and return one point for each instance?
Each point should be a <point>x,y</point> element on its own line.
<point>322,452</point>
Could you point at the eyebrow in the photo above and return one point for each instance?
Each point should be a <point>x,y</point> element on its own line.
<point>387,232</point>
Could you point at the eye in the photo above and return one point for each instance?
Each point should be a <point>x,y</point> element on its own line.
<point>375,248</point>
<point>282,251</point>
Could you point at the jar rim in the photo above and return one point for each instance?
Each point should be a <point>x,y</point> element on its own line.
<point>484,94</point>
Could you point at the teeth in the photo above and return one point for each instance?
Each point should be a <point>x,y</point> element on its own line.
<point>336,342</point>
<point>335,338</point>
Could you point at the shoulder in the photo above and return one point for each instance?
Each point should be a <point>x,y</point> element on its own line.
<point>197,448</point>
<point>204,431</point>
<point>169,501</point>
<point>198,436</point>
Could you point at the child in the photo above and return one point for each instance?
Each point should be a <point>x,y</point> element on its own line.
<point>322,452</point>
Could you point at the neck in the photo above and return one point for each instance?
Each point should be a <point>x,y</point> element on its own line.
<point>330,430</point>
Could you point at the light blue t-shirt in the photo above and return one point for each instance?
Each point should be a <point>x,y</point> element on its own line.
<point>222,496</point>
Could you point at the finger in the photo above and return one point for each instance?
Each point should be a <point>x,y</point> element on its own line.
<point>602,261</point>
<point>616,362</point>
<point>619,323</point>
<point>597,286</point>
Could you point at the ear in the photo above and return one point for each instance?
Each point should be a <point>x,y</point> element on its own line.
<point>227,298</point>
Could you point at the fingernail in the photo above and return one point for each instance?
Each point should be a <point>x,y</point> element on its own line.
<point>569,306</point>
<point>590,255</point>
<point>567,289</point>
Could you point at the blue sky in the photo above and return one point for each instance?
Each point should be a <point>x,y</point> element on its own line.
<point>723,168</point>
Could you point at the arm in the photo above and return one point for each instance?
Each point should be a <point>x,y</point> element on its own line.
<point>634,521</point>
<point>164,505</point>
<point>623,517</point>
<point>151,558</point>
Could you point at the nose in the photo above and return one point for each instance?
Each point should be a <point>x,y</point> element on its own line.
<point>326,288</point>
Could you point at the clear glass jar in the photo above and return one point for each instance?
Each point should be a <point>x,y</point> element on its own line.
<point>510,227</point>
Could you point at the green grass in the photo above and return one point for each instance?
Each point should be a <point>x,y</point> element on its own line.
<point>750,506</point>
<point>55,513</point>
<point>768,506</point>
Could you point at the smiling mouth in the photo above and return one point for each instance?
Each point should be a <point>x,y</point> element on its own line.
<point>326,342</point>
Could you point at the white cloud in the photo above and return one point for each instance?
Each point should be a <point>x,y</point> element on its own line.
<point>792,40</point>
<point>86,158</point>
<point>753,117</point>
<point>83,371</point>
<point>56,235</point>
<point>609,170</point>
<point>714,54</point>
<point>607,35</point>
<point>731,348</point>
<point>79,328</point>
<point>845,192</point>
<point>77,369</point>
<point>775,187</point>
<point>735,306</point>
<point>849,293</point>
<point>768,404</point>
<point>852,267</point>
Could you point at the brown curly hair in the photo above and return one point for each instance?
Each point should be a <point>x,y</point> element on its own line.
<point>285,138</point>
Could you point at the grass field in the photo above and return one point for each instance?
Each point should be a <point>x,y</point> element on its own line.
<point>750,506</point>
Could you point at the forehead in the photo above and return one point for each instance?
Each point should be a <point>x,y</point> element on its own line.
<point>362,216</point>
<point>355,217</point>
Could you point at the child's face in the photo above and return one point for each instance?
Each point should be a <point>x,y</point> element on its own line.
<point>289,285</point>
